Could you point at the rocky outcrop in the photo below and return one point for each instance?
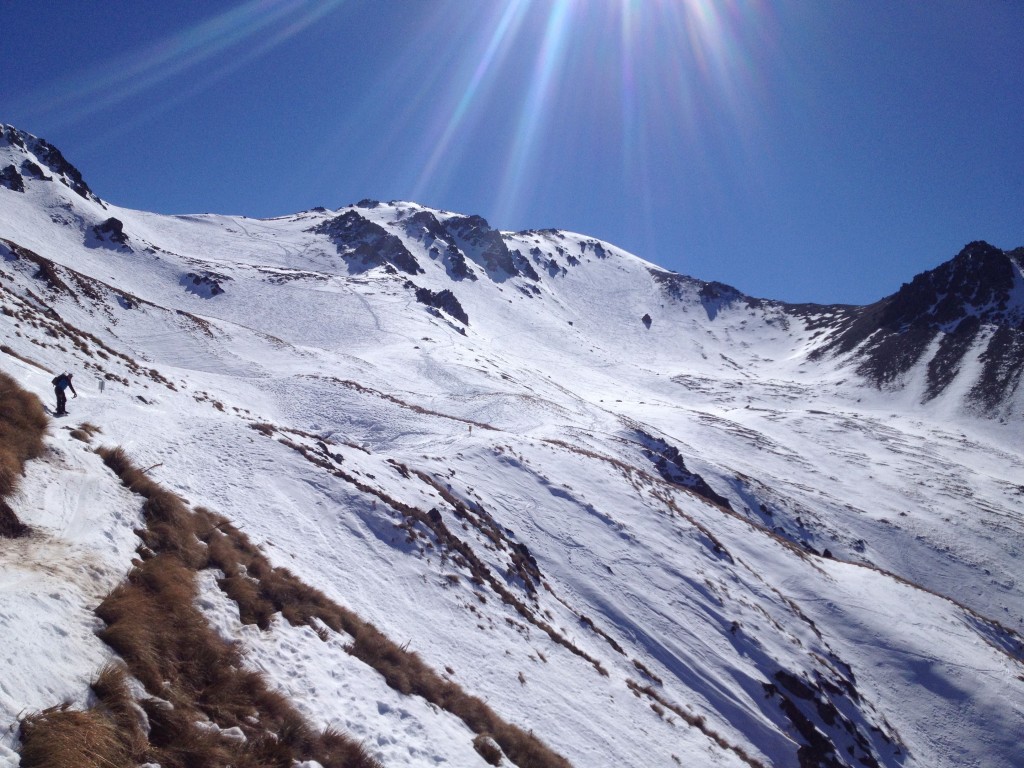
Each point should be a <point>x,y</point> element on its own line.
<point>206,284</point>
<point>669,463</point>
<point>975,301</point>
<point>365,244</point>
<point>111,231</point>
<point>10,178</point>
<point>483,245</point>
<point>425,227</point>
<point>713,296</point>
<point>50,157</point>
<point>444,300</point>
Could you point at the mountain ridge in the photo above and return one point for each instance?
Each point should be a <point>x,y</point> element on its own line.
<point>601,467</point>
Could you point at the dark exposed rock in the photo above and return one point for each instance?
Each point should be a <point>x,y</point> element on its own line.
<point>975,298</point>
<point>444,300</point>
<point>675,285</point>
<point>54,160</point>
<point>524,266</point>
<point>670,465</point>
<point>646,320</point>
<point>32,170</point>
<point>834,734</point>
<point>205,284</point>
<point>945,364</point>
<point>894,354</point>
<point>713,296</point>
<point>424,226</point>
<point>10,178</point>
<point>10,136</point>
<point>1002,366</point>
<point>365,244</point>
<point>111,231</point>
<point>483,245</point>
<point>458,266</point>
<point>51,157</point>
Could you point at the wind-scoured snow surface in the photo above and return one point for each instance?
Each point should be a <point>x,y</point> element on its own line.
<point>725,551</point>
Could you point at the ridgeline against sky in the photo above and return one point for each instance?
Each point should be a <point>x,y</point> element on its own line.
<point>800,151</point>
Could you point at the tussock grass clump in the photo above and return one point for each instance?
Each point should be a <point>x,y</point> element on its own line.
<point>23,424</point>
<point>10,526</point>
<point>488,750</point>
<point>60,737</point>
<point>116,702</point>
<point>111,734</point>
<point>156,595</point>
<point>85,432</point>
<point>170,525</point>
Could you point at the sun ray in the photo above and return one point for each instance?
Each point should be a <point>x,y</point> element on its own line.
<point>500,40</point>
<point>72,100</point>
<point>535,108</point>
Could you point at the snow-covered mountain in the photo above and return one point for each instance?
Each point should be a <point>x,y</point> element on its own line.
<point>643,517</point>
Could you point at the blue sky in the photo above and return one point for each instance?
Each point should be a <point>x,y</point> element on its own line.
<point>806,150</point>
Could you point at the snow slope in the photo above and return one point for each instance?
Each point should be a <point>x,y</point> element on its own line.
<point>656,529</point>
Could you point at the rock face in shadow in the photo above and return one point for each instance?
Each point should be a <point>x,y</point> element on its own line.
<point>975,302</point>
<point>10,178</point>
<point>365,244</point>
<point>485,246</point>
<point>50,157</point>
<point>713,296</point>
<point>111,231</point>
<point>669,463</point>
<point>425,227</point>
<point>205,284</point>
<point>444,300</point>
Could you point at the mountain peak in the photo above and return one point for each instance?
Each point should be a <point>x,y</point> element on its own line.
<point>980,280</point>
<point>30,155</point>
<point>964,316</point>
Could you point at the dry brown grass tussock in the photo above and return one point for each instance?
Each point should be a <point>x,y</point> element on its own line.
<point>85,432</point>
<point>23,425</point>
<point>60,737</point>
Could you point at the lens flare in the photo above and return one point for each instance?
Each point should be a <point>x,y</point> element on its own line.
<point>643,79</point>
<point>501,37</point>
<point>536,107</point>
<point>263,24</point>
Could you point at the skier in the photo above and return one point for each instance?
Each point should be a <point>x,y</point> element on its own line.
<point>60,383</point>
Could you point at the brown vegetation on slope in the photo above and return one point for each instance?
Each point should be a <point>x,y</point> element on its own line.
<point>451,545</point>
<point>203,539</point>
<point>203,707</point>
<point>262,590</point>
<point>23,424</point>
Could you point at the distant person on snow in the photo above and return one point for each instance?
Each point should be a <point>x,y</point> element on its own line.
<point>61,383</point>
